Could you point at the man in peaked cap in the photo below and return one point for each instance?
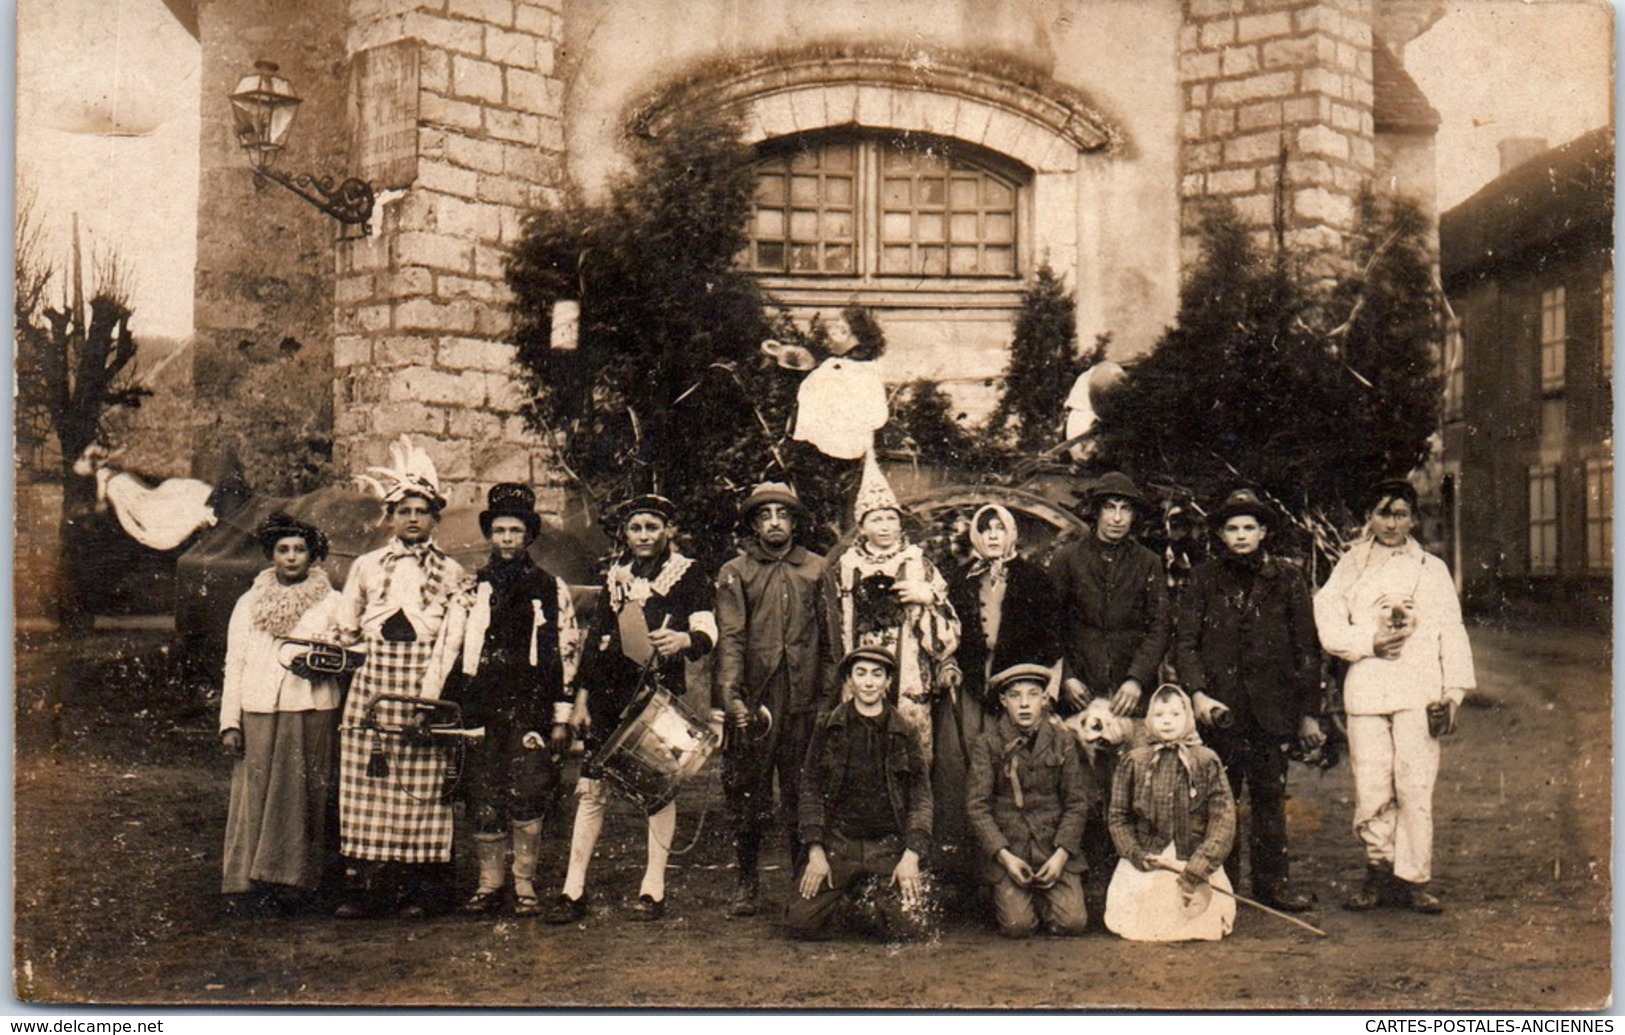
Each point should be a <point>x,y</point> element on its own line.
<point>518,661</point>
<point>1248,653</point>
<point>770,674</point>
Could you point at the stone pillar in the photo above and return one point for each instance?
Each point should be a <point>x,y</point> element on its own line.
<point>422,310</point>
<point>1263,77</point>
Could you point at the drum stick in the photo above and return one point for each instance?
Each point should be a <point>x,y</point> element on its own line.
<point>1164,864</point>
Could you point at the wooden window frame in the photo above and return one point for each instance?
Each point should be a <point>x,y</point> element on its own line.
<point>1554,336</point>
<point>1599,503</point>
<point>1544,542</point>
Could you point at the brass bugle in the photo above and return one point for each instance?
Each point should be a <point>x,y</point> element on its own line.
<point>328,659</point>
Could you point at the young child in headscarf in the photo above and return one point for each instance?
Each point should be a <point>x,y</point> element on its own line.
<point>1171,806</point>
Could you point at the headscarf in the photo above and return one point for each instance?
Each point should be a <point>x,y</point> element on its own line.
<point>984,560</point>
<point>1185,740</point>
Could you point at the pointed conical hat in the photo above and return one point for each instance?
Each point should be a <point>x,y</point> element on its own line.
<point>874,492</point>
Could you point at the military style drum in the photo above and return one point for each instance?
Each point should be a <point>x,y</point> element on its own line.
<point>653,752</point>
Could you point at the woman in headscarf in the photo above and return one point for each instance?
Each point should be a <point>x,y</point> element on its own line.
<point>278,722</point>
<point>1173,821</point>
<point>1007,616</point>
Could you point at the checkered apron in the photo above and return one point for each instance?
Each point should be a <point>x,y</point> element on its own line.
<point>399,817</point>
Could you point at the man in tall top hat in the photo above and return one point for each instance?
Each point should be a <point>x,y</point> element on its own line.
<point>404,604</point>
<point>770,674</point>
<point>655,613</point>
<point>1247,650</point>
<point>519,653</point>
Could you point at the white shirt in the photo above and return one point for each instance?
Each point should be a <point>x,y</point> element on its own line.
<point>255,680</point>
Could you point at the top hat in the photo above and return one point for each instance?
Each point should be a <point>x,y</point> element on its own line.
<point>283,526</point>
<point>1243,503</point>
<point>510,499</point>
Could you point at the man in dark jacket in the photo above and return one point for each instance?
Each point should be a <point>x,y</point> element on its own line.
<point>1114,603</point>
<point>519,653</point>
<point>865,813</point>
<point>1114,631</point>
<point>1248,651</point>
<point>1027,804</point>
<point>768,675</point>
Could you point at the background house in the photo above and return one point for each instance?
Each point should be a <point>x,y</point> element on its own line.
<point>1527,264</point>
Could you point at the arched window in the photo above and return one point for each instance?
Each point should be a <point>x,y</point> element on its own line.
<point>867,208</point>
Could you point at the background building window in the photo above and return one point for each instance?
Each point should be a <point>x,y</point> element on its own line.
<point>1607,324</point>
<point>1554,329</point>
<point>1455,375</point>
<point>1542,520</point>
<point>882,207</point>
<point>1600,515</point>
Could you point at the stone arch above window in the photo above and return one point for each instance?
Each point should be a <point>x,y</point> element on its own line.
<point>1040,123</point>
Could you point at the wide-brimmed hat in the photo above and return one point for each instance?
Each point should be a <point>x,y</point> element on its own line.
<point>511,499</point>
<point>1027,671</point>
<point>878,655</point>
<point>284,526</point>
<point>1112,484</point>
<point>771,492</point>
<point>1243,503</point>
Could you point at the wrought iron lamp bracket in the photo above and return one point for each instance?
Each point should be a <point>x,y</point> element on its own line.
<point>350,202</point>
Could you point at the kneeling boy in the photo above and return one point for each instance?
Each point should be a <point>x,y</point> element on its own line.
<point>864,813</point>
<point>1027,803</point>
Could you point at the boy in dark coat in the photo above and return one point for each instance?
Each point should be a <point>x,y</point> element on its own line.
<point>1027,804</point>
<point>865,813</point>
<point>518,657</point>
<point>1248,651</point>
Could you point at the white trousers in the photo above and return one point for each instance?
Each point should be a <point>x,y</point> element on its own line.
<point>1395,764</point>
<point>592,797</point>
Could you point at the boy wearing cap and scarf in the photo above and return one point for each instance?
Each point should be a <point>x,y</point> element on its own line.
<point>1390,610</point>
<point>654,614</point>
<point>1171,807</point>
<point>279,722</point>
<point>404,605</point>
<point>882,591</point>
<point>519,653</point>
<point>1027,804</point>
<point>769,674</point>
<point>865,813</point>
<point>1246,649</point>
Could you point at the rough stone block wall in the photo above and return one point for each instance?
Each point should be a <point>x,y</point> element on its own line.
<point>1263,77</point>
<point>422,309</point>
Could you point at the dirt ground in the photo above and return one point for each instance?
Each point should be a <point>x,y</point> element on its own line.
<point>120,803</point>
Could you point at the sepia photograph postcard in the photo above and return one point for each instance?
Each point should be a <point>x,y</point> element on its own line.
<point>1086,505</point>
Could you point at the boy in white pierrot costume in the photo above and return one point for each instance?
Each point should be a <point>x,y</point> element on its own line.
<point>883,591</point>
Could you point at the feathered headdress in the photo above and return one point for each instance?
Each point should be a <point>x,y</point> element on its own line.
<point>410,473</point>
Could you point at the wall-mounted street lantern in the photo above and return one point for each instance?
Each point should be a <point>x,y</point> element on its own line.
<point>263,106</point>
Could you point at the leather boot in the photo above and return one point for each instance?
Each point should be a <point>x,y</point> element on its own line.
<point>1377,889</point>
<point>1419,898</point>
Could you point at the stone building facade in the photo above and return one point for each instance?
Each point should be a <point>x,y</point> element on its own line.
<point>921,157</point>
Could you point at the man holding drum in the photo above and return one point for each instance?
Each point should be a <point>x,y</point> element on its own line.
<point>769,674</point>
<point>655,613</point>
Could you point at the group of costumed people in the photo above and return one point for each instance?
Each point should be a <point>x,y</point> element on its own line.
<point>1065,744</point>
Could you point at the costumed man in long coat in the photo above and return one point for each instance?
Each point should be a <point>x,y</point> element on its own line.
<point>655,614</point>
<point>519,654</point>
<point>404,606</point>
<point>1247,651</point>
<point>769,675</point>
<point>1390,610</point>
<point>1114,632</point>
<point>882,591</point>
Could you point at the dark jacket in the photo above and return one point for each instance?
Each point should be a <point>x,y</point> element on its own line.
<point>1055,798</point>
<point>1028,625</point>
<point>681,602</point>
<point>908,777</point>
<point>1114,604</point>
<point>1255,651</point>
<point>768,624</point>
<point>507,688</point>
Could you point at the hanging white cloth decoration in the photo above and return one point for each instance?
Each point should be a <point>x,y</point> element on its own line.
<point>840,406</point>
<point>158,518</point>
